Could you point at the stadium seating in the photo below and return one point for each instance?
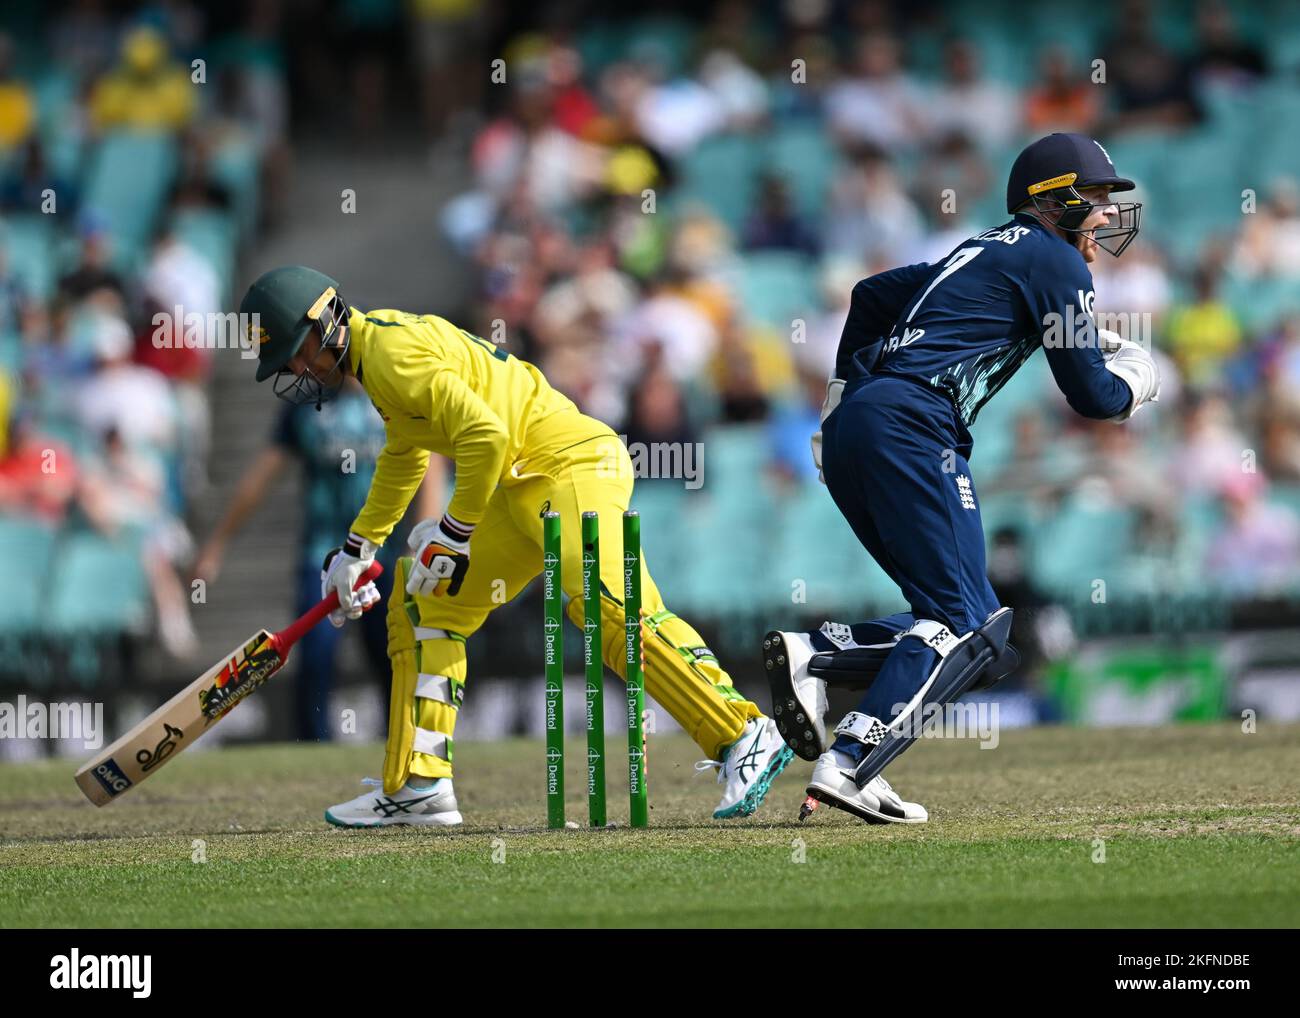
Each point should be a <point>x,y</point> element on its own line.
<point>214,235</point>
<point>29,243</point>
<point>27,549</point>
<point>777,287</point>
<point>803,156</point>
<point>97,586</point>
<point>721,173</point>
<point>127,184</point>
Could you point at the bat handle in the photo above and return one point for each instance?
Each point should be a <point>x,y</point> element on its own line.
<point>295,631</point>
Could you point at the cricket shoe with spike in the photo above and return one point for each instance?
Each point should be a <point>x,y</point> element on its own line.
<point>798,698</point>
<point>748,767</point>
<point>434,806</point>
<point>832,783</point>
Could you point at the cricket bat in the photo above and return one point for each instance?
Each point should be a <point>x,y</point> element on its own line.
<point>179,722</point>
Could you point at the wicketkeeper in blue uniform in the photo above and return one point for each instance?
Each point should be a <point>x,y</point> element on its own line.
<point>923,349</point>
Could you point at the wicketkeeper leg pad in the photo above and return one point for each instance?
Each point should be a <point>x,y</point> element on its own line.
<point>963,662</point>
<point>857,667</point>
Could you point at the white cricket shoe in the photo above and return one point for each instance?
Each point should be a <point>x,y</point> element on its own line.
<point>748,767</point>
<point>434,806</point>
<point>798,699</point>
<point>832,783</point>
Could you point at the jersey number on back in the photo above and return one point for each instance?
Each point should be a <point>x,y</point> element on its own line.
<point>963,257</point>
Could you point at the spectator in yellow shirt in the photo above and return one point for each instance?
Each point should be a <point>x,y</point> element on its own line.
<point>146,91</point>
<point>17,110</point>
<point>1204,333</point>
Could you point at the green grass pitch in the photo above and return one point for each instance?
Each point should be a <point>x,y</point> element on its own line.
<point>1186,826</point>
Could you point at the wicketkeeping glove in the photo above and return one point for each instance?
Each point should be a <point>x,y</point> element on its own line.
<point>342,568</point>
<point>834,389</point>
<point>441,550</point>
<point>1135,366</point>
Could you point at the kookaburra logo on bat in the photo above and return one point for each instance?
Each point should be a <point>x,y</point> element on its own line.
<point>151,758</point>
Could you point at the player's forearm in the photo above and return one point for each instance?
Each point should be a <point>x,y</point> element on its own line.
<point>432,496</point>
<point>480,460</point>
<point>1090,389</point>
<point>398,474</point>
<point>249,495</point>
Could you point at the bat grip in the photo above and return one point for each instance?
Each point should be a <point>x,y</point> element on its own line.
<point>295,631</point>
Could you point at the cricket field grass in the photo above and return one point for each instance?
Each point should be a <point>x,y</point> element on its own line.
<point>1187,826</point>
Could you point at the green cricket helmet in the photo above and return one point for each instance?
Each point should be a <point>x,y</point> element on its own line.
<point>288,303</point>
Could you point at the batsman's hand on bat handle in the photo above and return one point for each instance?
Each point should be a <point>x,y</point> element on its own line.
<point>441,549</point>
<point>343,573</point>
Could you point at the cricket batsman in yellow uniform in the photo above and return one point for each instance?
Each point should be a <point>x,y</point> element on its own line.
<point>521,449</point>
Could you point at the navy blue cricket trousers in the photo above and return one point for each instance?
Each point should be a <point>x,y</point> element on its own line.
<point>894,458</point>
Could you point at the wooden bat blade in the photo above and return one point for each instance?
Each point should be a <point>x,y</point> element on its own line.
<point>178,723</point>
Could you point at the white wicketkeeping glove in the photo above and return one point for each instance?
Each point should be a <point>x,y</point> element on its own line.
<point>343,567</point>
<point>834,389</point>
<point>1135,366</point>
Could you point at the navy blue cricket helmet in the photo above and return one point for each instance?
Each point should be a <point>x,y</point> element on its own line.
<point>1050,175</point>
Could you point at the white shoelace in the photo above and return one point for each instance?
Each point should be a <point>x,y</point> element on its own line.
<point>704,765</point>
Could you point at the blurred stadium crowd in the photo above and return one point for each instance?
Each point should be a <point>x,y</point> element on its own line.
<point>668,215</point>
<point>126,190</point>
<point>667,212</point>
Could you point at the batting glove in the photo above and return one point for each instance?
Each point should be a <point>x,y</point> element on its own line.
<point>441,550</point>
<point>343,567</point>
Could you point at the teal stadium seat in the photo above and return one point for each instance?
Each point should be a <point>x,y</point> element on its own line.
<point>29,241</point>
<point>998,510</point>
<point>818,547</point>
<point>725,531</point>
<point>98,586</point>
<point>58,122</point>
<point>663,504</point>
<point>1259,303</point>
<point>129,178</point>
<point>721,173</point>
<point>805,158</point>
<point>213,234</point>
<point>735,455</point>
<point>777,287</point>
<point>27,548</point>
<point>600,44</point>
<point>667,41</point>
<point>1200,518</point>
<point>1079,543</point>
<point>236,166</point>
<point>1276,148</point>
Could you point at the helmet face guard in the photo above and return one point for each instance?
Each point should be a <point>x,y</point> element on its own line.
<point>1066,208</point>
<point>329,321</point>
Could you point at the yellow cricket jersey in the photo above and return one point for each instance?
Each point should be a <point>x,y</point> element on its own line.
<point>441,389</point>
